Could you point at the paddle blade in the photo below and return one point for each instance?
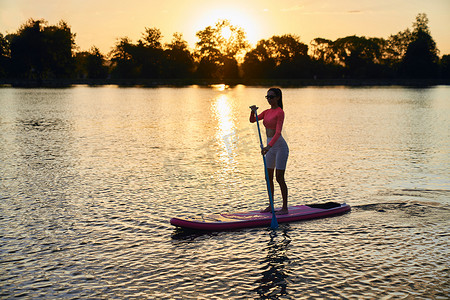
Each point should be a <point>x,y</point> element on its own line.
<point>274,223</point>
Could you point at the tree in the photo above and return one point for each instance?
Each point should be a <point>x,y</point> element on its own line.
<point>421,57</point>
<point>122,57</point>
<point>325,62</point>
<point>445,66</point>
<point>420,60</point>
<point>219,49</point>
<point>280,56</point>
<point>5,56</point>
<point>91,64</point>
<point>291,56</point>
<point>148,59</point>
<point>259,63</point>
<point>59,43</point>
<point>27,50</point>
<point>180,62</point>
<point>287,48</point>
<point>223,38</point>
<point>421,24</point>
<point>149,54</point>
<point>42,52</point>
<point>322,50</point>
<point>395,48</point>
<point>361,56</point>
<point>152,38</point>
<point>232,40</point>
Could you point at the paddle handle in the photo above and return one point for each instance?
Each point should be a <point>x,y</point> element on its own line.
<point>274,223</point>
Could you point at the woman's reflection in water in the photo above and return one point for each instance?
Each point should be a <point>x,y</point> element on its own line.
<point>274,281</point>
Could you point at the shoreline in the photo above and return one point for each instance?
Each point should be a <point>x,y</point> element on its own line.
<point>62,83</point>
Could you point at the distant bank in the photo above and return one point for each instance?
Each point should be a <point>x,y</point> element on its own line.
<point>54,83</point>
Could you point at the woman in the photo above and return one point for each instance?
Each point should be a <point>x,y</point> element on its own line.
<point>277,150</point>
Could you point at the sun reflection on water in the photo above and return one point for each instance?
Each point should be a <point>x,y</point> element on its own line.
<point>223,113</point>
<point>220,87</point>
<point>225,128</point>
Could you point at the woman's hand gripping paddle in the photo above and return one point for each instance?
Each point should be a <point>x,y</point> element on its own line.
<point>274,223</point>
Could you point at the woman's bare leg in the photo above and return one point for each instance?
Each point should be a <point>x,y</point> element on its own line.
<point>284,191</point>
<point>270,172</point>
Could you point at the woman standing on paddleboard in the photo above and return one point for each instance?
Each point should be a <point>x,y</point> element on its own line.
<point>277,150</point>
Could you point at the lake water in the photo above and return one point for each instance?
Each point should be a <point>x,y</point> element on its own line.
<point>90,176</point>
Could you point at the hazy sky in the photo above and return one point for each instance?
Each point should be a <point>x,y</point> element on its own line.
<point>102,22</point>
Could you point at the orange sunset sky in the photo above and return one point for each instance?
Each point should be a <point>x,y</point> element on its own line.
<point>102,22</point>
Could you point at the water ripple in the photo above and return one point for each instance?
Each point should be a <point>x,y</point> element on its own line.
<point>91,176</point>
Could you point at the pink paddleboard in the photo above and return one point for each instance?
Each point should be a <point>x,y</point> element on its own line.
<point>227,221</point>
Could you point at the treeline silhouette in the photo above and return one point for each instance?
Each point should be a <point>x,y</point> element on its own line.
<point>38,52</point>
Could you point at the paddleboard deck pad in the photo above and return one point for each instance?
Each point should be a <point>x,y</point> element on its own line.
<point>229,221</point>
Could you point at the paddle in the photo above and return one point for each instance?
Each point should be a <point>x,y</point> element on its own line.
<point>274,223</point>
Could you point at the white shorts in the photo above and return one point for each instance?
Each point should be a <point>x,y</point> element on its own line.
<point>277,155</point>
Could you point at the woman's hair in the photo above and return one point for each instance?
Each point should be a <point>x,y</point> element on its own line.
<point>278,93</point>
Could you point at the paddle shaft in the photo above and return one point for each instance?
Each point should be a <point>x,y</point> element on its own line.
<point>274,223</point>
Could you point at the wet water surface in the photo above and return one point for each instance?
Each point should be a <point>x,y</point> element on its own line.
<point>89,178</point>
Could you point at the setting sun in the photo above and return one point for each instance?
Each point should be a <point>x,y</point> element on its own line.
<point>236,17</point>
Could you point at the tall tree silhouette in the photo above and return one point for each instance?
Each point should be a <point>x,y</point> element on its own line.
<point>218,50</point>
<point>421,57</point>
<point>180,62</point>
<point>123,60</point>
<point>394,49</point>
<point>149,54</point>
<point>42,52</point>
